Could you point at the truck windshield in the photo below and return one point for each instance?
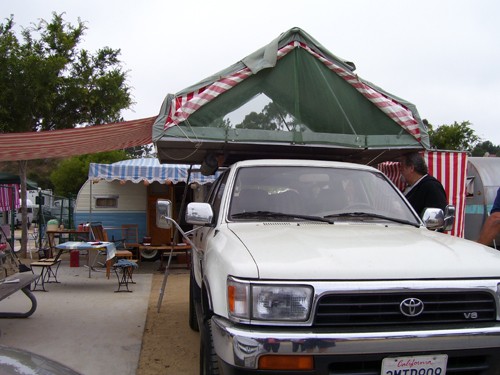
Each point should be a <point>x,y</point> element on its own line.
<point>309,193</point>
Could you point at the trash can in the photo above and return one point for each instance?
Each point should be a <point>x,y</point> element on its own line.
<point>74,258</point>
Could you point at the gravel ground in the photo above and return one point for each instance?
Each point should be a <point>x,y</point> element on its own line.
<point>169,346</point>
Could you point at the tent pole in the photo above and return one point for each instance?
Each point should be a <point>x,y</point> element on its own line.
<point>165,276</point>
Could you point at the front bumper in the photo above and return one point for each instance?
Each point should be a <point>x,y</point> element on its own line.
<point>241,346</point>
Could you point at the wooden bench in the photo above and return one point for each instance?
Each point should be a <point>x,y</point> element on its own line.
<point>14,283</point>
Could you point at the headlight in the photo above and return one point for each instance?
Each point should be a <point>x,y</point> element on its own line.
<point>273,302</point>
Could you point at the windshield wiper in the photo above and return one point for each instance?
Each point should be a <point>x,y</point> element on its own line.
<point>372,215</point>
<point>271,214</point>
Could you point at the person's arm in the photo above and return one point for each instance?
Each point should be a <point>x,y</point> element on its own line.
<point>490,229</point>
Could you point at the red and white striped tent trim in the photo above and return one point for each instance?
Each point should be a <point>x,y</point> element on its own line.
<point>78,141</point>
<point>450,168</point>
<point>6,191</point>
<point>183,106</point>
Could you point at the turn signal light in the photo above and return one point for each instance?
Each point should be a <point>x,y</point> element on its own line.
<point>286,362</point>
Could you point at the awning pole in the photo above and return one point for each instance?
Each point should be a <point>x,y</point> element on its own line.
<point>90,205</point>
<point>13,210</point>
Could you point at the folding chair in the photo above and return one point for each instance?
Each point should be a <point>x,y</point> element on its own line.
<point>99,234</point>
<point>130,235</point>
<point>5,243</point>
<point>48,273</point>
<point>6,232</point>
<point>33,242</point>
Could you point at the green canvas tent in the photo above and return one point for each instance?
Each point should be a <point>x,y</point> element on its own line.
<point>289,94</point>
<point>9,178</point>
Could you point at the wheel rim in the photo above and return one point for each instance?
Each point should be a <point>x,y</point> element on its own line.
<point>149,254</point>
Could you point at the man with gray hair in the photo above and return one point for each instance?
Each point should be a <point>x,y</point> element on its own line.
<point>423,191</point>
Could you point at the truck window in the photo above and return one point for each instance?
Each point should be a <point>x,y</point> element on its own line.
<point>215,195</point>
<point>318,191</point>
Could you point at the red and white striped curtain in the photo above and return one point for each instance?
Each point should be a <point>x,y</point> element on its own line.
<point>6,197</point>
<point>450,168</point>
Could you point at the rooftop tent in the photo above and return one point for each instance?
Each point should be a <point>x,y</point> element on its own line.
<point>289,94</point>
<point>147,169</point>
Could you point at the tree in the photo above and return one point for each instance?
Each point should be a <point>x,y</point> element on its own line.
<point>272,117</point>
<point>485,147</point>
<point>39,170</point>
<point>72,173</point>
<point>458,136</point>
<point>141,151</point>
<point>256,120</point>
<point>48,83</point>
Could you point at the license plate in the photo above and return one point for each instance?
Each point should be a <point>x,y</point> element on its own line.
<point>415,365</point>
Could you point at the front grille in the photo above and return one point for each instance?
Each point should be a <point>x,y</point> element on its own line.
<point>370,309</point>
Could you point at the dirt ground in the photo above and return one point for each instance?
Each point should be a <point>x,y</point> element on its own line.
<point>169,346</point>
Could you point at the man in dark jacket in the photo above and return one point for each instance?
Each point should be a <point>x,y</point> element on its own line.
<point>423,191</point>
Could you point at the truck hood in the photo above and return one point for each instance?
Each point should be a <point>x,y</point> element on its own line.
<point>348,251</point>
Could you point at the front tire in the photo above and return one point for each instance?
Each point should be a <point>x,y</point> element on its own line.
<point>208,359</point>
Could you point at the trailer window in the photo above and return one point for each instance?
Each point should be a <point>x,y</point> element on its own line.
<point>110,201</point>
<point>469,186</point>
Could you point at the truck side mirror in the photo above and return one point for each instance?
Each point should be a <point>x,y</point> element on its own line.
<point>163,211</point>
<point>199,214</point>
<point>433,218</point>
<point>436,219</point>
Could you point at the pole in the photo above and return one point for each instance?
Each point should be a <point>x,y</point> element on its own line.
<point>181,211</point>
<point>40,218</point>
<point>164,282</point>
<point>13,209</point>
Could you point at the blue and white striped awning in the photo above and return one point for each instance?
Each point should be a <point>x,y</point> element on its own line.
<point>147,169</point>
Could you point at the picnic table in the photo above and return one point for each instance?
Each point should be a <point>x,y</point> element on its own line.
<point>97,246</point>
<point>11,284</point>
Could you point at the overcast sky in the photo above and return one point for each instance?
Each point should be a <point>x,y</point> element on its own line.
<point>443,56</point>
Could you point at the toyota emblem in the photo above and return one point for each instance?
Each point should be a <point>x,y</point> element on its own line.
<point>411,307</point>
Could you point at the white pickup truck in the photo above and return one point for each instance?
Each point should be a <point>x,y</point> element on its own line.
<point>315,267</point>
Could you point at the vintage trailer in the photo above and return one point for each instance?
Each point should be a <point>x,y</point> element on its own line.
<point>126,192</point>
<point>483,181</point>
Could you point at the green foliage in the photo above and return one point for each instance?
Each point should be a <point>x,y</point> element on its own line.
<point>47,83</point>
<point>71,173</point>
<point>140,151</point>
<point>458,137</point>
<point>484,148</point>
<point>40,170</point>
<point>256,120</point>
<point>221,123</point>
<point>272,117</point>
